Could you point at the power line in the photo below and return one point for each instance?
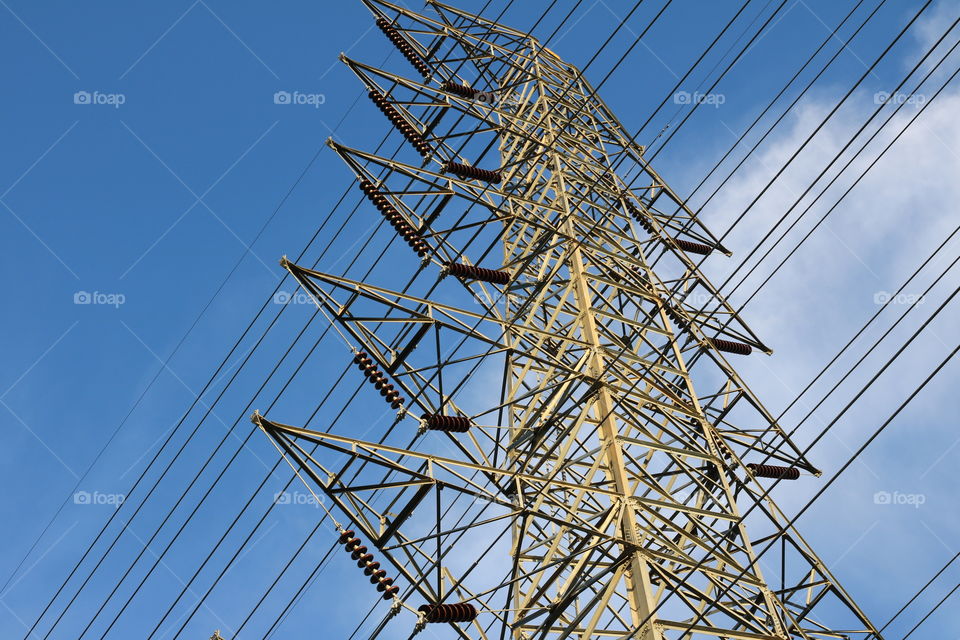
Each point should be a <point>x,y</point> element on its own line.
<point>810,137</point>
<point>920,593</point>
<point>862,128</point>
<point>932,611</point>
<point>788,109</point>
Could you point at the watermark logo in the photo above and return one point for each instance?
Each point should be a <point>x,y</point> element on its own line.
<point>296,297</point>
<point>484,299</point>
<point>114,100</point>
<point>885,297</point>
<point>297,498</point>
<point>915,500</point>
<point>493,98</point>
<point>713,99</point>
<point>898,98</point>
<point>490,98</point>
<point>109,299</point>
<point>97,498</point>
<point>699,299</point>
<point>299,98</point>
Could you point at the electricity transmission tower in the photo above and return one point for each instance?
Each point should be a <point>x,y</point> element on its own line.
<point>572,454</point>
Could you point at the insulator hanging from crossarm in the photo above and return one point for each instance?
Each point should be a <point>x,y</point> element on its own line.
<point>717,439</point>
<point>467,172</point>
<point>409,132</point>
<point>684,245</point>
<point>639,217</point>
<point>773,471</point>
<point>470,93</point>
<point>674,315</point>
<point>455,612</point>
<point>730,346</point>
<point>377,379</point>
<point>455,424</point>
<point>461,90</point>
<point>692,247</point>
<point>408,52</point>
<point>472,272</point>
<point>359,552</point>
<point>354,546</point>
<point>720,344</point>
<point>395,218</point>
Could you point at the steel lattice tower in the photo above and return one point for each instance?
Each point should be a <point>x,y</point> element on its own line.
<point>583,453</point>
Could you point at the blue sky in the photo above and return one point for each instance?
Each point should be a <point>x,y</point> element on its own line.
<point>145,164</point>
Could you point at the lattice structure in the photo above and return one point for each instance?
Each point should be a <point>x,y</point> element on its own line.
<point>582,451</point>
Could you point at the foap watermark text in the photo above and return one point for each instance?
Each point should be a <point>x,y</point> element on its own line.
<point>115,100</point>
<point>897,498</point>
<point>295,297</point>
<point>885,297</point>
<point>299,98</point>
<point>883,97</point>
<point>713,99</point>
<point>297,497</point>
<point>98,498</point>
<point>99,298</point>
